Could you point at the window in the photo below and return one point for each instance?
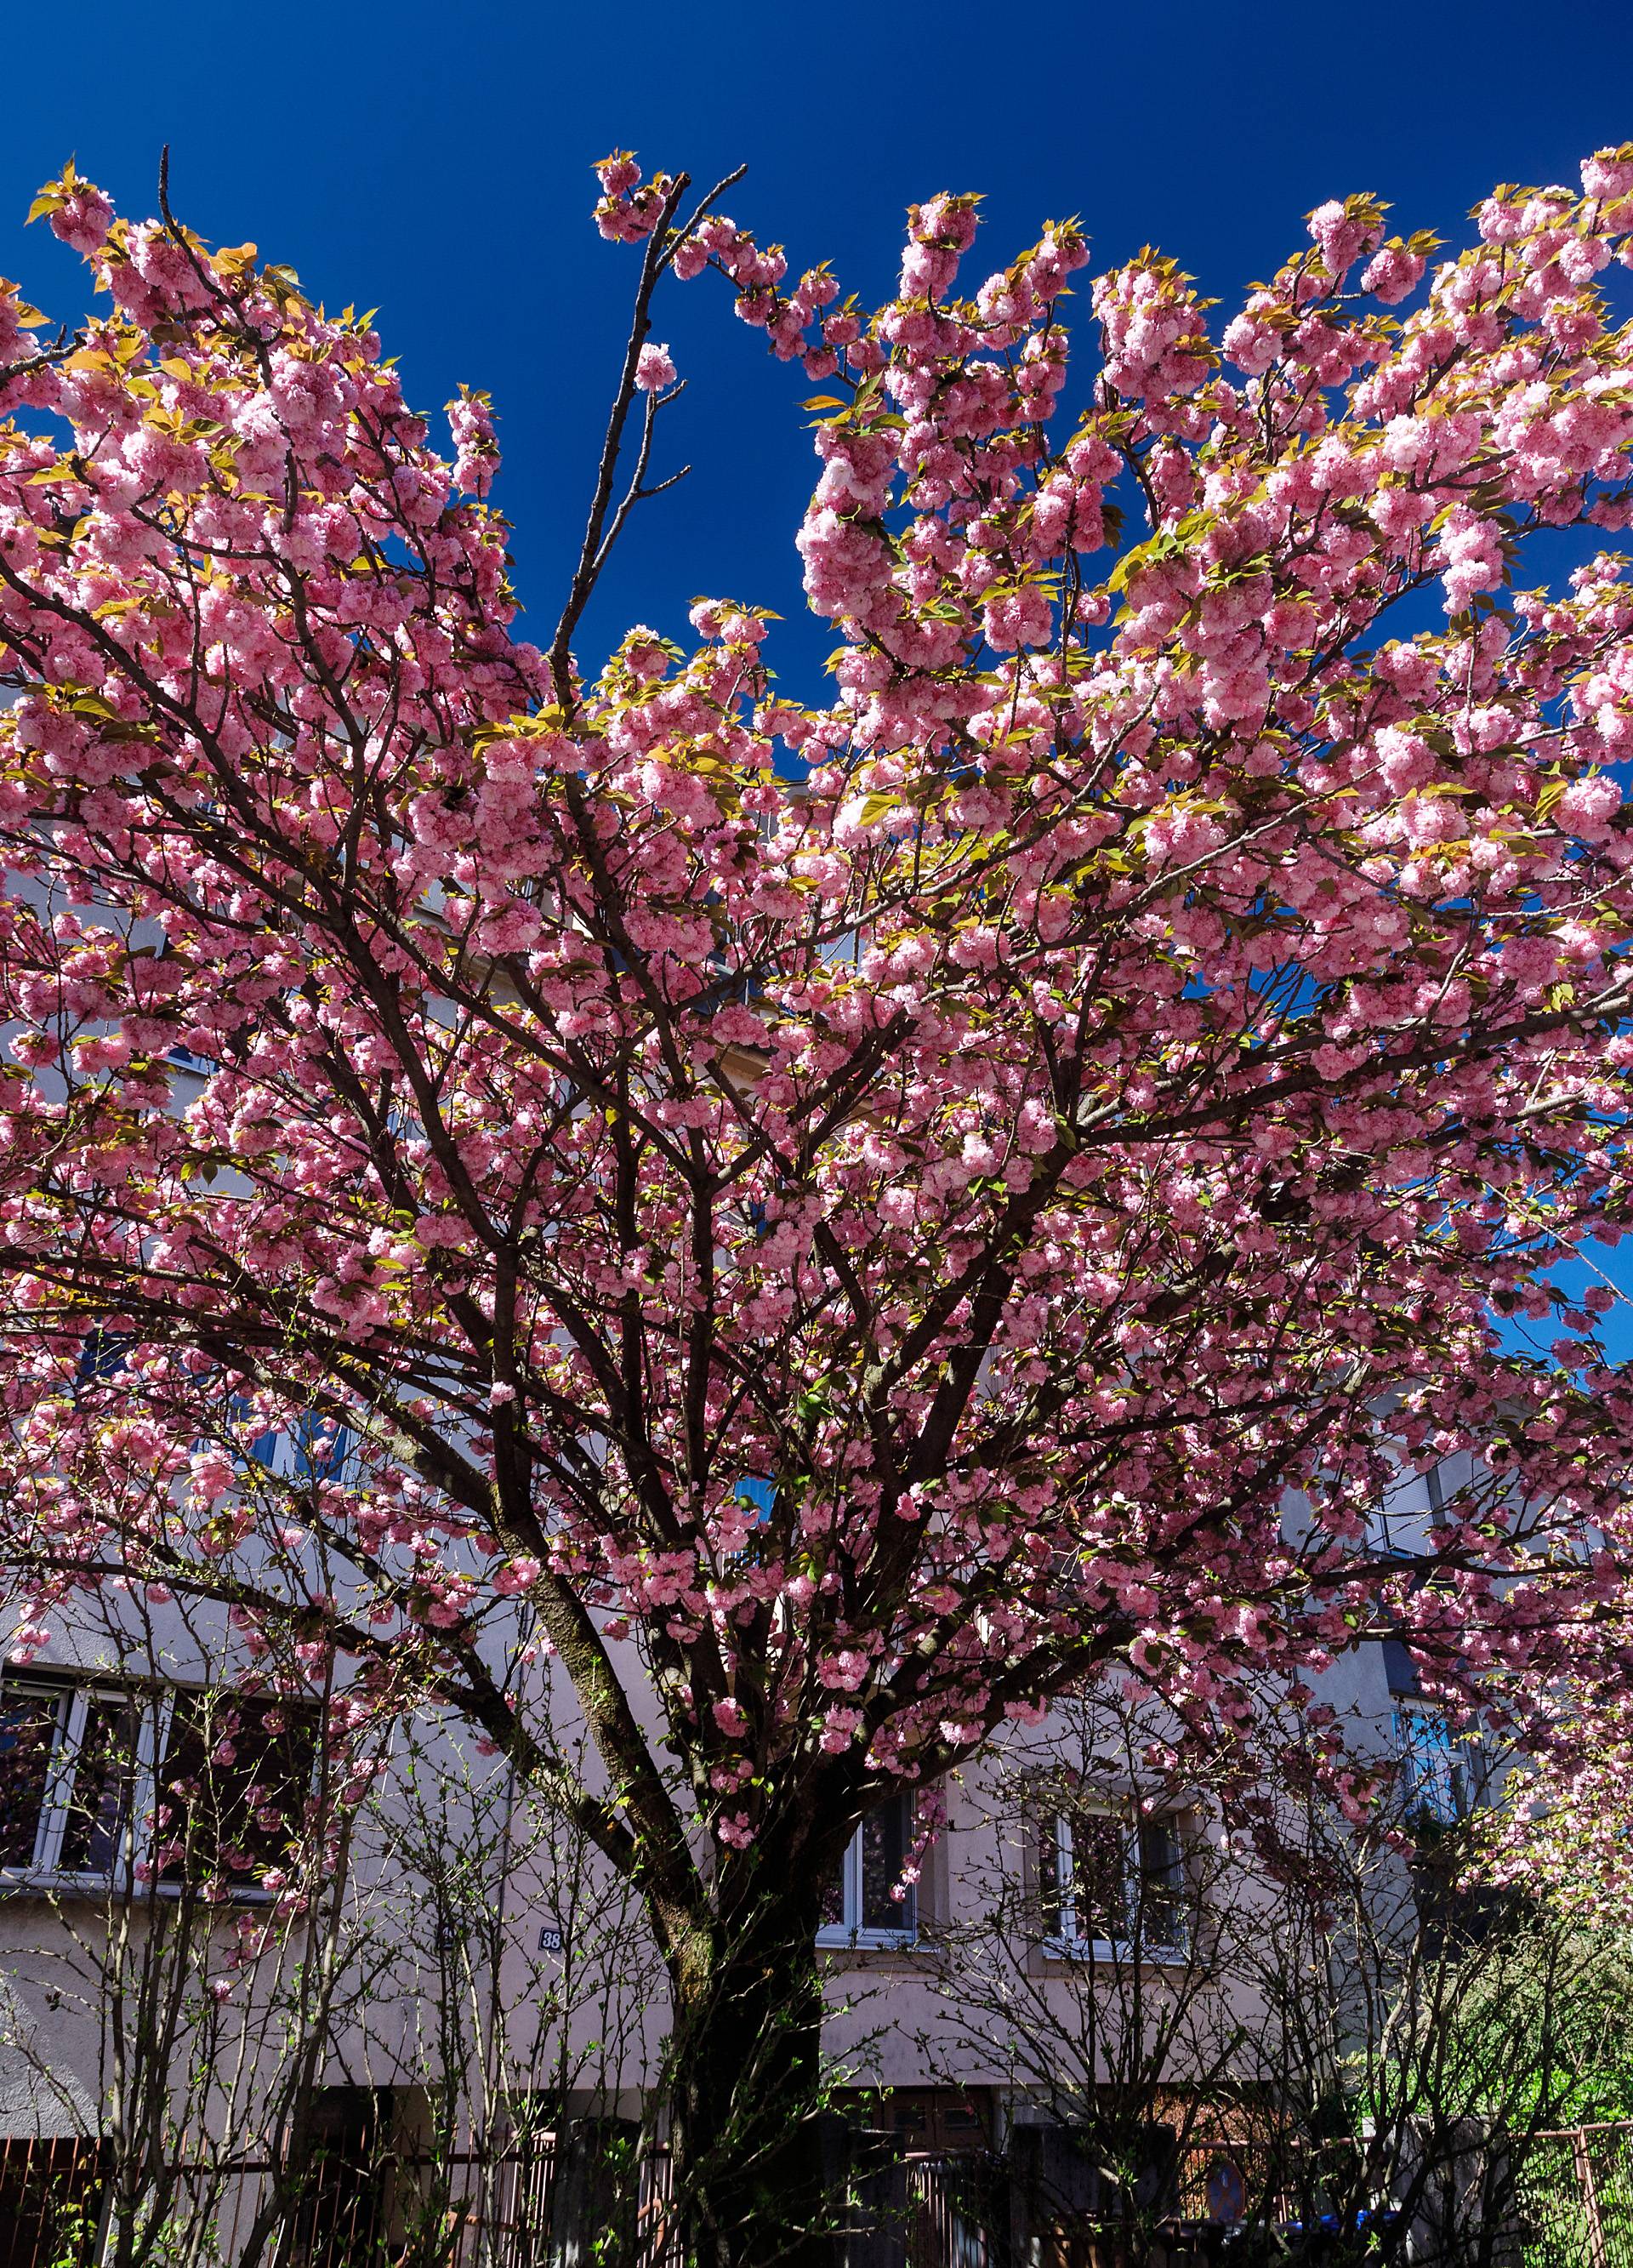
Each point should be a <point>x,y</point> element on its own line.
<point>79,1788</point>
<point>860,1908</point>
<point>101,1357</point>
<point>760,1492</point>
<point>232,1789</point>
<point>313,1448</point>
<point>189,1059</point>
<point>317,1449</point>
<point>756,1497</point>
<point>1110,1883</point>
<point>69,1763</point>
<point>1440,1768</point>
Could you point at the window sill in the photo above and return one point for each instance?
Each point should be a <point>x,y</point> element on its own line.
<point>28,1883</point>
<point>869,1941</point>
<point>31,1882</point>
<point>1111,1952</point>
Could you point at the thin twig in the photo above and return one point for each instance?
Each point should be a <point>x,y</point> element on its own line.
<point>727,182</point>
<point>591,556</point>
<point>637,491</point>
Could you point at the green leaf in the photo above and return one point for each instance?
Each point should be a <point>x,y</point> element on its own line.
<point>874,805</point>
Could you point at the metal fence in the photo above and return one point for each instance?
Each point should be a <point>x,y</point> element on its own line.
<point>459,2209</point>
<point>524,2207</point>
<point>50,2200</point>
<point>594,2198</point>
<point>1575,2199</point>
<point>532,2205</point>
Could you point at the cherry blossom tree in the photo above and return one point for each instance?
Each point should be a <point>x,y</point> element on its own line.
<point>833,1223</point>
<point>1562,1833</point>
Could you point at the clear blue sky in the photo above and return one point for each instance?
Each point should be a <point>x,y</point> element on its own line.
<point>434,162</point>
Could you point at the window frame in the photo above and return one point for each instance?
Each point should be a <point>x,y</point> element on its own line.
<point>73,1699</point>
<point>1070,1944</point>
<point>241,1890</point>
<point>852,1935</point>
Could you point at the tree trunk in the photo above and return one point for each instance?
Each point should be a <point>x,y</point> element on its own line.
<point>750,2184</point>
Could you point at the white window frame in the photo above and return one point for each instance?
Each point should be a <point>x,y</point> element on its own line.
<point>73,1702</point>
<point>851,1932</point>
<point>1069,1943</point>
<point>73,1699</point>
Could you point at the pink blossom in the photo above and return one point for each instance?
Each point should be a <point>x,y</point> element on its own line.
<point>1391,273</point>
<point>1587,805</point>
<point>654,369</point>
<point>840,1729</point>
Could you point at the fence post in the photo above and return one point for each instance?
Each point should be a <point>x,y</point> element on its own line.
<point>1583,2157</point>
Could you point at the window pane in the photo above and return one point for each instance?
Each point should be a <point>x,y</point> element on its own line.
<point>263,1448</point>
<point>1435,1782</point>
<point>99,1801</point>
<point>1054,1878</point>
<point>833,1900</point>
<point>1099,1872</point>
<point>1161,1888</point>
<point>102,1357</point>
<point>29,1723</point>
<point>319,1449</point>
<point>234,1783</point>
<point>886,1834</point>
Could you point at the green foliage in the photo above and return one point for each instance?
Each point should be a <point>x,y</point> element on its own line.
<point>1570,2008</point>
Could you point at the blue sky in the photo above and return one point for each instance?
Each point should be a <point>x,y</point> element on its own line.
<point>434,162</point>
